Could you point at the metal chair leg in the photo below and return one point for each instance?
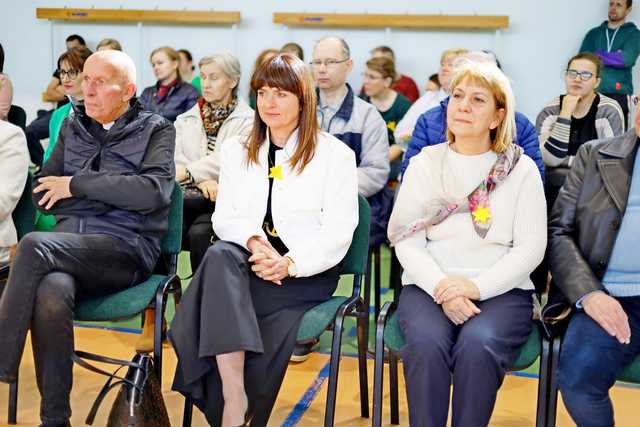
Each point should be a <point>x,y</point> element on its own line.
<point>334,367</point>
<point>552,405</point>
<point>157,334</point>
<point>362,323</point>
<point>378,370</point>
<point>13,402</point>
<point>377,285</point>
<point>543,384</point>
<point>188,412</point>
<point>393,388</point>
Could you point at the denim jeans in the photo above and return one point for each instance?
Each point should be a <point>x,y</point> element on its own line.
<point>590,361</point>
<point>49,271</point>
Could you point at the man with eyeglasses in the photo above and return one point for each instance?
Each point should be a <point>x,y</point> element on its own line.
<point>617,43</point>
<point>572,119</point>
<point>359,125</point>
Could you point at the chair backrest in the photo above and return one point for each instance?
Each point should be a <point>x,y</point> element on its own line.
<point>172,241</point>
<point>24,215</point>
<point>355,262</point>
<point>17,116</point>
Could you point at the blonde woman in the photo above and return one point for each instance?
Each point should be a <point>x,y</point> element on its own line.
<point>469,227</point>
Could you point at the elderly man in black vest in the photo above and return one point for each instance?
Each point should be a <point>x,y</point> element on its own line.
<point>109,183</point>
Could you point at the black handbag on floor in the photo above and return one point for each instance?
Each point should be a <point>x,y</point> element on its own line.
<point>139,402</point>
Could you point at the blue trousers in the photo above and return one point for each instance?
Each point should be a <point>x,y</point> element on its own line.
<point>590,361</point>
<point>473,356</point>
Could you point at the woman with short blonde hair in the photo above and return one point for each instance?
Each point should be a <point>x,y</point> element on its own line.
<point>469,227</point>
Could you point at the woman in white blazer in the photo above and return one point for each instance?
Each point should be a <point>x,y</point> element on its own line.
<point>286,211</point>
<point>14,158</point>
<point>200,132</point>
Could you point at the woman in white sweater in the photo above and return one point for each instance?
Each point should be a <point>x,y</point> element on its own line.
<point>200,132</point>
<point>285,215</point>
<point>469,227</point>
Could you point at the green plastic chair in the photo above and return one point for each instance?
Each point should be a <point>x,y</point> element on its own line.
<point>23,218</point>
<point>631,374</point>
<point>330,315</point>
<point>153,291</point>
<point>389,335</point>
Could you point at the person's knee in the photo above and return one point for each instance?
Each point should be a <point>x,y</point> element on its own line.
<point>33,243</point>
<point>55,296</point>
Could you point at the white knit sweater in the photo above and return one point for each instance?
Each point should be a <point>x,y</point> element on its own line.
<point>511,250</point>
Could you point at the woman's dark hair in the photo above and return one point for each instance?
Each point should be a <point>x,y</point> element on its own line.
<point>188,55</point>
<point>1,58</point>
<point>287,72</point>
<point>75,57</point>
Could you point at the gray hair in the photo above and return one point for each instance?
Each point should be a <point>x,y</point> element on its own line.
<point>121,61</point>
<point>228,63</point>
<point>343,45</point>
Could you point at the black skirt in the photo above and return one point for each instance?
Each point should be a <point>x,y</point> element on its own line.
<point>227,308</point>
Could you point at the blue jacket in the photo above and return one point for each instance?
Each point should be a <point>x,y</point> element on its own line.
<point>431,129</point>
<point>180,98</point>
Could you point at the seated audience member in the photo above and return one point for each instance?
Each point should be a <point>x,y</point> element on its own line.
<point>279,253</point>
<point>402,84</point>
<point>429,100</point>
<point>570,120</point>
<point>430,128</point>
<point>200,133</point>
<point>593,231</point>
<point>70,68</point>
<point>468,241</point>
<point>433,83</point>
<point>108,44</point>
<point>109,182</point>
<point>378,79</point>
<point>187,70</point>
<point>171,95</point>
<point>294,49</point>
<point>14,159</point>
<point>6,89</point>
<point>39,128</point>
<point>264,56</point>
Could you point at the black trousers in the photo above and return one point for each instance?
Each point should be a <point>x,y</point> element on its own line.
<point>623,100</point>
<point>197,232</point>
<point>227,308</point>
<point>37,130</point>
<point>49,272</point>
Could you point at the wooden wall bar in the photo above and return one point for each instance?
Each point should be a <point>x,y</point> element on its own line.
<point>192,17</point>
<point>454,22</point>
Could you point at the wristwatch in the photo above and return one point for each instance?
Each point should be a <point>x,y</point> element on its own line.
<point>292,270</point>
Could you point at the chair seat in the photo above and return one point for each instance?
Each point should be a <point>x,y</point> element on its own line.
<point>315,321</point>
<point>631,374</point>
<point>394,340</point>
<point>121,305</point>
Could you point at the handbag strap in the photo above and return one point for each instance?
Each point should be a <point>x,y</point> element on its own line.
<point>78,358</point>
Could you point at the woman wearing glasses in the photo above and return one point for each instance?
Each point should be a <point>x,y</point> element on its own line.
<point>570,120</point>
<point>70,65</point>
<point>392,105</point>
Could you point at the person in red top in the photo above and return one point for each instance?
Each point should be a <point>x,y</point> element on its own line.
<point>402,84</point>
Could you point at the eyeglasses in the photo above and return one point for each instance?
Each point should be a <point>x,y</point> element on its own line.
<point>72,74</point>
<point>329,63</point>
<point>584,75</point>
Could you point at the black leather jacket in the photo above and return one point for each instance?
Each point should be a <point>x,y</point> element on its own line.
<point>586,217</point>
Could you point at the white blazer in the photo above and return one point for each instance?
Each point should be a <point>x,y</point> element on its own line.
<point>191,140</point>
<point>14,159</point>
<point>315,212</point>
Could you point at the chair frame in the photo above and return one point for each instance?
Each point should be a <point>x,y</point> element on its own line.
<point>544,382</point>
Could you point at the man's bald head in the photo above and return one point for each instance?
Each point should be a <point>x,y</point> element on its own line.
<point>109,83</point>
<point>331,63</point>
